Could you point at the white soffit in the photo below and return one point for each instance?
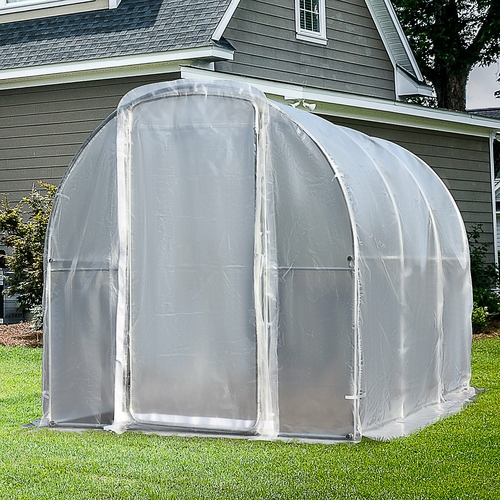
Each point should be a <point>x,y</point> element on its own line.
<point>331,103</point>
<point>392,34</point>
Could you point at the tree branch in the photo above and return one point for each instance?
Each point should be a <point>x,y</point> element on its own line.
<point>488,32</point>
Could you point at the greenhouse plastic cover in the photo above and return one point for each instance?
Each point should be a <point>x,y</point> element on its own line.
<point>219,263</point>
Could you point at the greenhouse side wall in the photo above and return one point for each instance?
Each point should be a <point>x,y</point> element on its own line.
<point>81,288</point>
<point>415,291</point>
<point>316,345</point>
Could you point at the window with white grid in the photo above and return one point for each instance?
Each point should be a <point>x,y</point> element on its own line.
<point>310,20</point>
<point>15,10</point>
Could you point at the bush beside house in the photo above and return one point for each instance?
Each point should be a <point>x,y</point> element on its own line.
<point>23,228</point>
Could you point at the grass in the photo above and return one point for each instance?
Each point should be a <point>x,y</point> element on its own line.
<point>458,457</point>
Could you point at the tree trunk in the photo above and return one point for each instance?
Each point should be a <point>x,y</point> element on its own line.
<point>450,91</point>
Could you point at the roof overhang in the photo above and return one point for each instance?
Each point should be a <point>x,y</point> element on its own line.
<point>331,103</point>
<point>113,67</point>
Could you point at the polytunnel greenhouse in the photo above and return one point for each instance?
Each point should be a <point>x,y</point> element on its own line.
<point>220,263</point>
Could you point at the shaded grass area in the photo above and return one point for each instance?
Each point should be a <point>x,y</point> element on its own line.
<point>458,457</point>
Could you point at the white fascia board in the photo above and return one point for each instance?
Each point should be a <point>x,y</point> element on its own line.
<point>407,86</point>
<point>113,67</point>
<point>113,4</point>
<point>221,27</point>
<point>331,103</point>
<point>285,90</point>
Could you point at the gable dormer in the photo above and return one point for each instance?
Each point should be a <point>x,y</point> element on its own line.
<point>352,46</point>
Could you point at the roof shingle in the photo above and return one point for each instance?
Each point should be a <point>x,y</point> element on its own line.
<point>489,112</point>
<point>134,27</point>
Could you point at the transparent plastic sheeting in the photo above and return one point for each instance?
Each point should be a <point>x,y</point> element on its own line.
<point>218,263</point>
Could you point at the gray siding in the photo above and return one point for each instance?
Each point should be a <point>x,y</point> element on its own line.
<point>462,162</point>
<point>41,128</point>
<point>353,61</point>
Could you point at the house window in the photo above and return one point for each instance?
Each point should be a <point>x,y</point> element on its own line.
<point>15,10</point>
<point>310,20</point>
<point>15,5</point>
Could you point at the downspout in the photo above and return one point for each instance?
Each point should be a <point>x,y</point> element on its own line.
<point>493,138</point>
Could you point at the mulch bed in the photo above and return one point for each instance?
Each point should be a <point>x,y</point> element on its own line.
<point>492,330</point>
<point>20,334</point>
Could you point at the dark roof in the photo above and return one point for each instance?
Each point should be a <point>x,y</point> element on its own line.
<point>489,112</point>
<point>134,27</point>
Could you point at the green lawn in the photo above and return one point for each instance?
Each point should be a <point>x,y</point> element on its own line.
<point>458,457</point>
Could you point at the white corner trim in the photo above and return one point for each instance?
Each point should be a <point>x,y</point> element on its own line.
<point>221,27</point>
<point>97,69</point>
<point>113,4</point>
<point>332,103</point>
<point>407,86</point>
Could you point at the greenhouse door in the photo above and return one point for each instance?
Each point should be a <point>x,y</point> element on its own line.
<point>192,321</point>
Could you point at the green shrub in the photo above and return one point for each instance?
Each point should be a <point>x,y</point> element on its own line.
<point>485,276</point>
<point>24,228</point>
<point>479,318</point>
<point>37,319</point>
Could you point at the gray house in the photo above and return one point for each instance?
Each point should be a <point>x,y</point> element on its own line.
<point>494,113</point>
<point>65,64</point>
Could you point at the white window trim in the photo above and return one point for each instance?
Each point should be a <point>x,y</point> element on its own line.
<point>25,5</point>
<point>307,35</point>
